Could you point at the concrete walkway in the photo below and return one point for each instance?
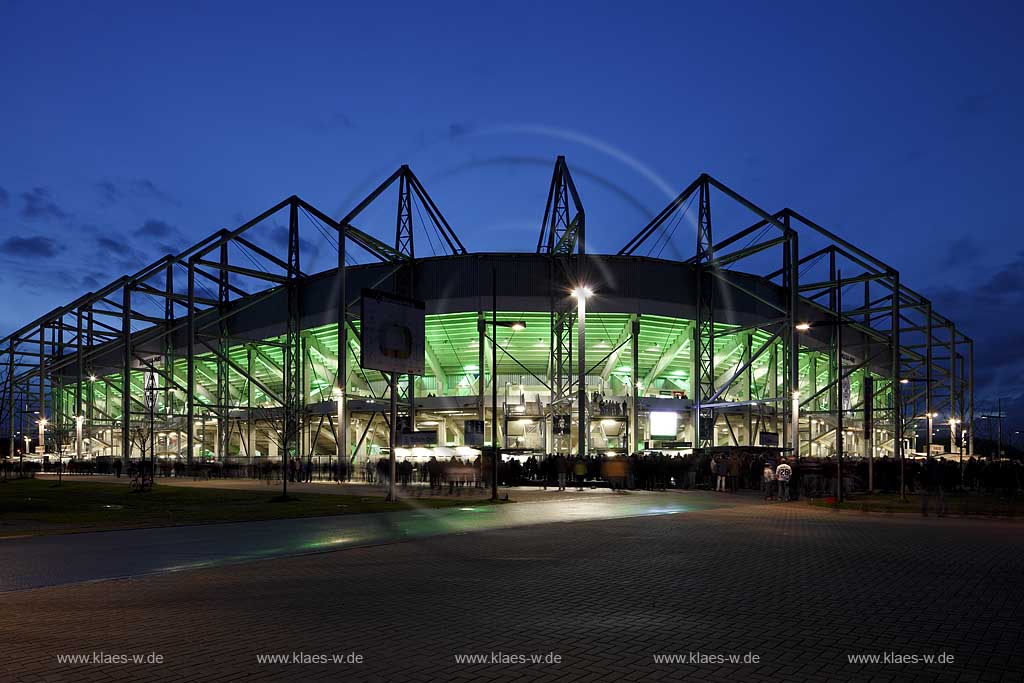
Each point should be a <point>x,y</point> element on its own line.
<point>516,493</point>
<point>791,591</point>
<point>32,562</point>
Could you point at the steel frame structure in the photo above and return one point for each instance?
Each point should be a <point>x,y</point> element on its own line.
<point>563,240</point>
<point>159,320</point>
<point>898,324</point>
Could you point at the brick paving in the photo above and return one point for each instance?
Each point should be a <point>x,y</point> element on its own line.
<point>797,586</point>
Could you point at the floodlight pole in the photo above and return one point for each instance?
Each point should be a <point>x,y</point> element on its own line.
<point>581,389</point>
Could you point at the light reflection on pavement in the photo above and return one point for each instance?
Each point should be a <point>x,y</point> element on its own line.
<point>50,560</point>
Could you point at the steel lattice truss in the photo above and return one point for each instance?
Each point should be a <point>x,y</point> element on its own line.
<point>166,347</point>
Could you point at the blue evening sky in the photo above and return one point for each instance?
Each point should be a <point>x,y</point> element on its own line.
<point>130,129</point>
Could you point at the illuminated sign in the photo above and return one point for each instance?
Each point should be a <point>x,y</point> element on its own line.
<point>664,423</point>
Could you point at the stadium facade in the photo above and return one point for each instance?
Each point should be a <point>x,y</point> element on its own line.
<point>775,331</point>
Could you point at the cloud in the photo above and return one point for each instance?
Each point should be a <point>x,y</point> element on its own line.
<point>114,191</point>
<point>458,130</point>
<point>39,205</point>
<point>35,247</point>
<point>155,228</point>
<point>109,244</point>
<point>5,199</point>
<point>981,312</point>
<point>963,251</point>
<point>109,192</point>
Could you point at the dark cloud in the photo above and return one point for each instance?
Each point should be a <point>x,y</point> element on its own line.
<point>109,244</point>
<point>963,251</point>
<point>458,130</point>
<point>35,247</point>
<point>111,191</point>
<point>155,228</point>
<point>5,199</point>
<point>145,188</point>
<point>38,205</point>
<point>91,281</point>
<point>986,313</point>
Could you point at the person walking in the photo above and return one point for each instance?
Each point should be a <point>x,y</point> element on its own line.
<point>768,480</point>
<point>783,473</point>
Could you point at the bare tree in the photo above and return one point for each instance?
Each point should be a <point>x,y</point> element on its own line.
<point>61,437</point>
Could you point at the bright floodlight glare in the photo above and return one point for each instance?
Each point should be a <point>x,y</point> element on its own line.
<point>518,325</point>
<point>582,292</point>
<point>92,378</point>
<point>904,381</point>
<point>803,327</point>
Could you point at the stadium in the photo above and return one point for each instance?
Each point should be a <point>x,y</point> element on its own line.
<point>770,331</point>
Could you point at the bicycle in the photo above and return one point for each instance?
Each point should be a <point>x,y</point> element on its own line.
<point>142,482</point>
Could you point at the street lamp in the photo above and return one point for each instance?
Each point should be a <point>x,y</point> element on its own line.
<point>42,422</point>
<point>340,435</point>
<point>79,422</point>
<point>928,443</point>
<point>953,438</point>
<point>582,293</point>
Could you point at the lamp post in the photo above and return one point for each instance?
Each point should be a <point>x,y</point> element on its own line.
<point>79,422</point>
<point>582,293</point>
<point>340,435</point>
<point>495,324</point>
<point>928,442</point>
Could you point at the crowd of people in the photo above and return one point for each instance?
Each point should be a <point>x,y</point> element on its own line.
<point>720,471</point>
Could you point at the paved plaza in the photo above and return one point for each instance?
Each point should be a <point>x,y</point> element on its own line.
<point>791,592</point>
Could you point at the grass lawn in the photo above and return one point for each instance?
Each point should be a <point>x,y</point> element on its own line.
<point>42,506</point>
<point>957,503</point>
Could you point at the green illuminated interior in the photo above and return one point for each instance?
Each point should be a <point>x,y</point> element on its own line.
<point>665,364</point>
